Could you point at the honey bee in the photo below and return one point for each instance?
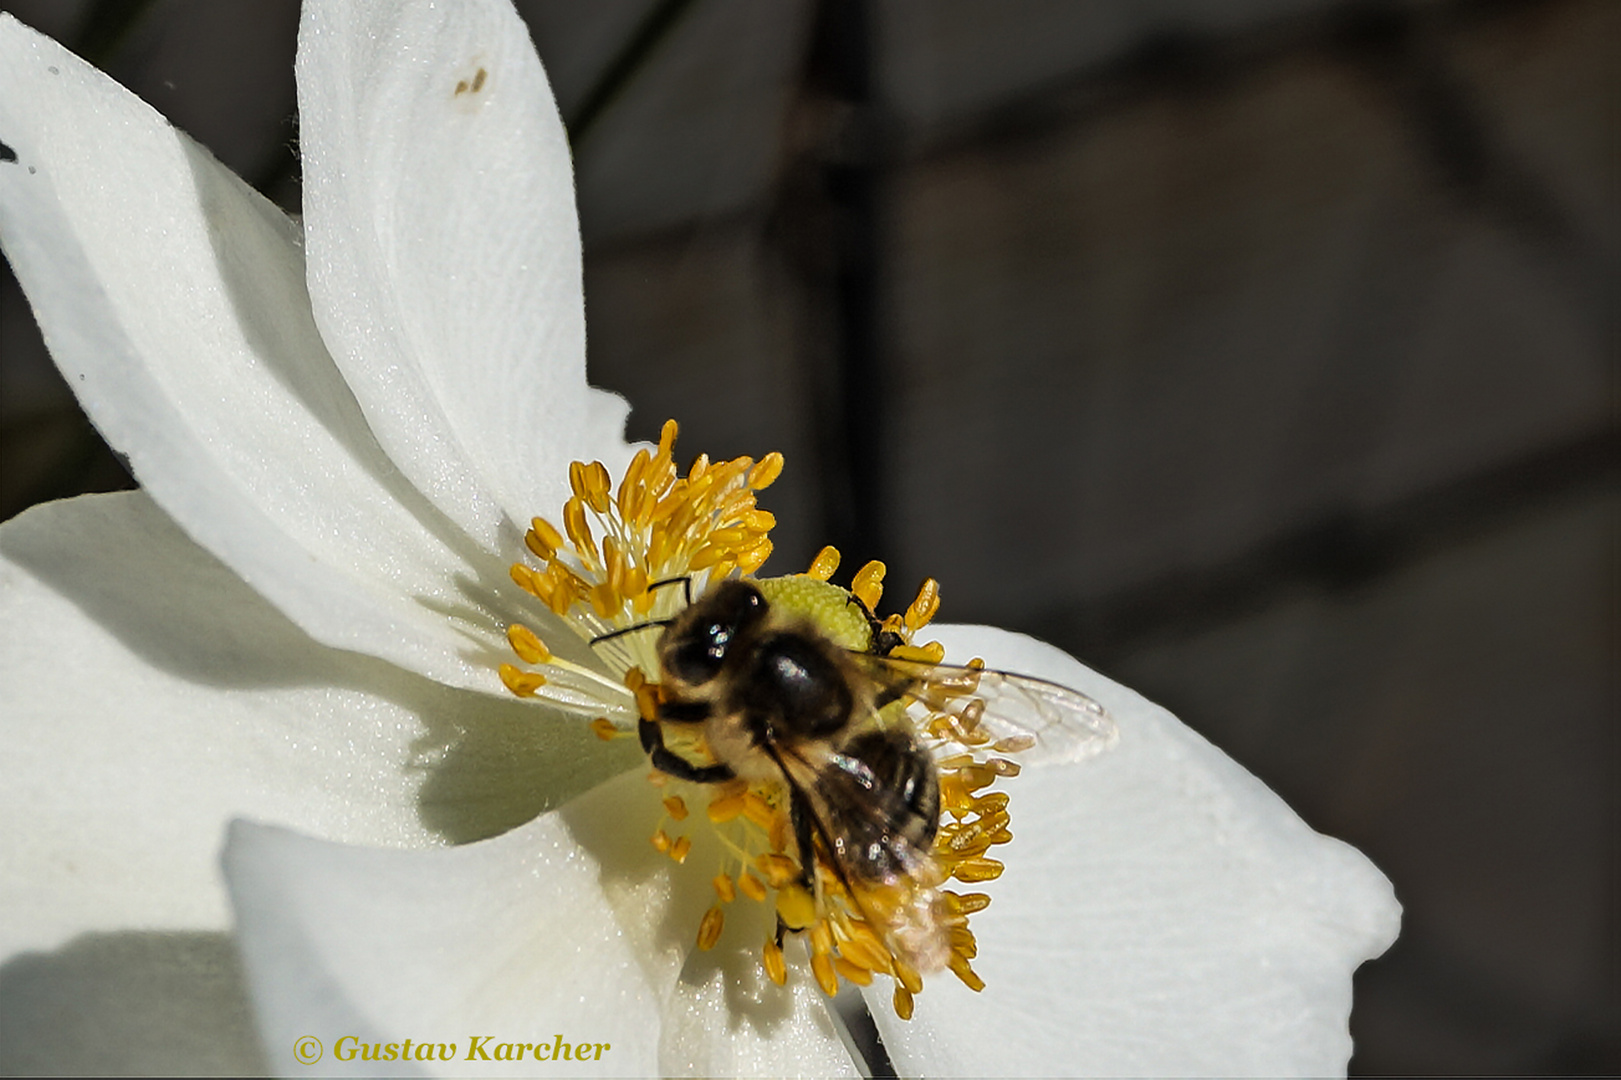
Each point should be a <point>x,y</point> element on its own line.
<point>777,701</point>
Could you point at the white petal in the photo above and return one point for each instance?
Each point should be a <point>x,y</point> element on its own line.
<point>564,926</point>
<point>173,299</point>
<point>1163,913</point>
<point>149,697</point>
<point>444,252</point>
<point>508,939</point>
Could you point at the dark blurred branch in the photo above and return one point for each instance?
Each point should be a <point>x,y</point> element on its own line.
<point>827,222</point>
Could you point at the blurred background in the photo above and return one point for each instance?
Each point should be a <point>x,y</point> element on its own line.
<point>1261,353</point>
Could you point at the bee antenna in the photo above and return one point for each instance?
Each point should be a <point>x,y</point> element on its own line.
<point>600,638</point>
<point>686,585</point>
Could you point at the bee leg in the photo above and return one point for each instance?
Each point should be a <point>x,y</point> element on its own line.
<point>802,836</point>
<point>679,767</point>
<point>883,641</point>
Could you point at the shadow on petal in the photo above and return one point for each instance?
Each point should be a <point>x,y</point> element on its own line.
<point>482,764</point>
<point>129,1002</point>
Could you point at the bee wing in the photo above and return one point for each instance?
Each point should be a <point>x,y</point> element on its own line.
<point>1041,721</point>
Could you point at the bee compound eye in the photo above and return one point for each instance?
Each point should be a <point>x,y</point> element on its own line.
<point>696,660</point>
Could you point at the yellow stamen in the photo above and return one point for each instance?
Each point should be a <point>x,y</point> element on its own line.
<point>724,887</point>
<point>903,1003</point>
<point>661,841</point>
<point>604,729</point>
<point>677,806</point>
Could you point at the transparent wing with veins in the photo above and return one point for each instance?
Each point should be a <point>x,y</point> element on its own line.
<point>1043,722</point>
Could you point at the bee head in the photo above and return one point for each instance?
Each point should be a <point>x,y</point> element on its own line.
<point>696,646</point>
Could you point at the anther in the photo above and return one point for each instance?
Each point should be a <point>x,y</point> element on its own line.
<point>530,649</point>
<point>776,968</point>
<point>726,807</point>
<point>724,887</point>
<point>868,953</point>
<point>903,1003</point>
<point>826,977</point>
<point>960,968</point>
<point>547,534</point>
<point>604,729</point>
<point>868,585</point>
<point>751,886</point>
<point>709,929</point>
<point>968,903</point>
<point>924,607</point>
<point>677,806</point>
<point>821,938</point>
<point>826,561</point>
<point>596,486</point>
<point>661,841</point>
<point>522,683</point>
<point>766,471</point>
<point>752,559</point>
<point>779,870</point>
<point>579,532</point>
<point>932,653</point>
<point>683,847</point>
<point>859,975</point>
<point>907,975</point>
<point>977,869</point>
<point>757,810</point>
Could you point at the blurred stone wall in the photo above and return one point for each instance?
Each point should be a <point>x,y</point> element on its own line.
<point>1261,354</point>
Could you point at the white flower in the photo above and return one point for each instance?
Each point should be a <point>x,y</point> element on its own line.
<point>300,617</point>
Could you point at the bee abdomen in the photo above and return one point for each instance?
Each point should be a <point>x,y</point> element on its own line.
<point>889,811</point>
